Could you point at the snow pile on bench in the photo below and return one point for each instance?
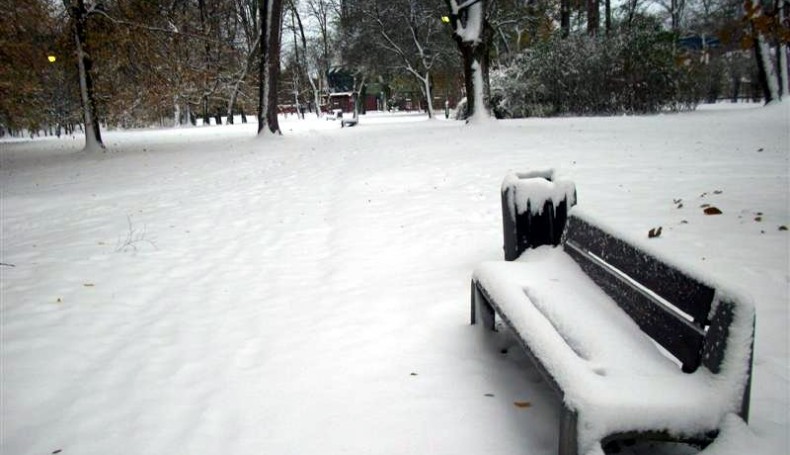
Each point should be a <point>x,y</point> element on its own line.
<point>531,190</point>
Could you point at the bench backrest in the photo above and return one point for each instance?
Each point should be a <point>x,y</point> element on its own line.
<point>670,306</point>
<point>667,304</point>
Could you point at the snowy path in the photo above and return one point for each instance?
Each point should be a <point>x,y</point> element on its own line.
<point>309,294</point>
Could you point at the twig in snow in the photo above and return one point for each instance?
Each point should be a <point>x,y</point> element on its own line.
<point>134,238</point>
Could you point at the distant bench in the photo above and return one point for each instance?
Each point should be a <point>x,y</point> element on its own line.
<point>344,122</point>
<point>634,346</point>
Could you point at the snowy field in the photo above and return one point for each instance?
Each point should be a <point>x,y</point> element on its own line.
<point>200,291</point>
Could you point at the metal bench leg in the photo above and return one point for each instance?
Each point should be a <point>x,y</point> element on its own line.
<point>481,308</point>
<point>569,443</point>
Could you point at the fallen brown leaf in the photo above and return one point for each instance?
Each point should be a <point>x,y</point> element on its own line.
<point>522,404</point>
<point>712,211</point>
<point>655,232</point>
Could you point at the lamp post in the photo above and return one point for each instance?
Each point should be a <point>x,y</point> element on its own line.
<point>56,105</point>
<point>52,58</point>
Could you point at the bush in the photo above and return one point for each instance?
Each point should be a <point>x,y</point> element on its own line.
<point>637,71</point>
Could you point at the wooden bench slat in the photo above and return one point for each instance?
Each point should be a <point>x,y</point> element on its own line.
<point>684,292</point>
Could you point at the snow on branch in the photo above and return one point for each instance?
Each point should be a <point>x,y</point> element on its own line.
<point>470,29</point>
<point>467,4</point>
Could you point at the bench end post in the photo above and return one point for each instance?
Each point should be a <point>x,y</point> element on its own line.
<point>482,308</point>
<point>569,438</point>
<point>530,218</point>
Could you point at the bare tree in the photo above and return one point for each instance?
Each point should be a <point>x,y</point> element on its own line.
<point>565,17</point>
<point>247,17</point>
<point>79,11</point>
<point>271,28</point>
<point>323,12</point>
<point>411,32</point>
<point>308,73</point>
<point>593,17</point>
<point>355,44</point>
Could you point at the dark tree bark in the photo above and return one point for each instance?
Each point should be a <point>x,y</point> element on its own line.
<point>79,17</point>
<point>474,54</point>
<point>565,17</point>
<point>471,55</point>
<point>271,21</point>
<point>593,17</point>
<point>204,27</point>
<point>608,18</point>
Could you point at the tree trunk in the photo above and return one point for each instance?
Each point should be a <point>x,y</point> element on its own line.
<point>476,81</point>
<point>204,29</point>
<point>358,88</point>
<point>766,73</point>
<point>736,88</point>
<point>781,63</point>
<point>271,16</point>
<point>781,52</point>
<point>472,33</point>
<point>426,82</point>
<point>297,86</point>
<point>206,116</point>
<point>190,116</point>
<point>176,112</point>
<point>593,17</point>
<point>608,18</point>
<point>316,95</point>
<point>237,85</point>
<point>565,17</point>
<point>79,16</point>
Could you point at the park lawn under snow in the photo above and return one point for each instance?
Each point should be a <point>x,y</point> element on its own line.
<point>201,291</point>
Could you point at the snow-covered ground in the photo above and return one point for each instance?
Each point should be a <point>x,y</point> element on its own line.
<point>201,291</point>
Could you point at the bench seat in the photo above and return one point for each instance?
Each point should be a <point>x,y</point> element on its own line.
<point>612,377</point>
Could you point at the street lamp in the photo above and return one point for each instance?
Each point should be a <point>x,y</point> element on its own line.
<point>56,105</point>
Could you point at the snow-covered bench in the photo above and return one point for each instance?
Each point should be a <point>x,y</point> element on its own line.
<point>635,346</point>
<point>344,122</point>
